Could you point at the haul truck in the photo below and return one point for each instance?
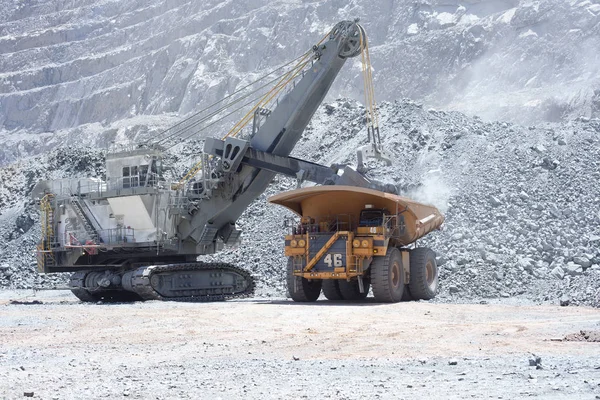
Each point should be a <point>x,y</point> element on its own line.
<point>348,239</point>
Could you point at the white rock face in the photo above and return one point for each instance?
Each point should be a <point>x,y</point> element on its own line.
<point>94,71</point>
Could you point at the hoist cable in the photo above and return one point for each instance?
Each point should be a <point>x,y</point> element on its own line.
<point>231,95</point>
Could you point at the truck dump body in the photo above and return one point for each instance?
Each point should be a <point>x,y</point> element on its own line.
<point>415,219</point>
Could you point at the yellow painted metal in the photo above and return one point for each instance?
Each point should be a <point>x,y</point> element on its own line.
<point>350,261</point>
<point>370,230</point>
<point>380,245</point>
<point>380,250</point>
<point>418,219</point>
<point>317,202</point>
<point>299,248</point>
<point>307,251</point>
<point>367,70</point>
<point>328,275</point>
<point>294,251</point>
<point>44,253</point>
<point>363,251</point>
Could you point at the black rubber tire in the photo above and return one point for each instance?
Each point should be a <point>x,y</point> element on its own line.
<point>301,289</point>
<point>331,289</point>
<point>424,274</point>
<point>351,292</point>
<point>387,277</point>
<point>406,296</point>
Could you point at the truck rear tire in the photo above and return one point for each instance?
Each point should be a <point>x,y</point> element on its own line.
<point>331,289</point>
<point>387,277</point>
<point>406,296</point>
<point>302,289</point>
<point>423,274</point>
<point>350,290</point>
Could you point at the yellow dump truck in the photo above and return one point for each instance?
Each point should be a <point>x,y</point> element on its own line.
<point>346,239</point>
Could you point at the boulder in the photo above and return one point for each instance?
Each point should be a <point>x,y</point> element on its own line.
<point>583,261</point>
<point>558,273</point>
<point>573,269</point>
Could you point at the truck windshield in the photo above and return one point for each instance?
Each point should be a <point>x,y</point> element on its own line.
<point>371,217</point>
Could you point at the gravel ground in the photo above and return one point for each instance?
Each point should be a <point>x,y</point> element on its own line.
<point>63,349</point>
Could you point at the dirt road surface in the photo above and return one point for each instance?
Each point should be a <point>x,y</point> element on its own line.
<point>257,349</point>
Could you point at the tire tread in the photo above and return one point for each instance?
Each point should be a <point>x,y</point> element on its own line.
<point>307,291</point>
<point>418,274</point>
<point>331,290</point>
<point>380,282</point>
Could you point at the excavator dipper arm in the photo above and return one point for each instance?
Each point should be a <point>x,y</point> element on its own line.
<point>278,136</point>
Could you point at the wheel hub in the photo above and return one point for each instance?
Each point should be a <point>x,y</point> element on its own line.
<point>395,275</point>
<point>429,273</point>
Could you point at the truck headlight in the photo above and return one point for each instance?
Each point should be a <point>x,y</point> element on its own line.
<point>294,243</point>
<point>356,243</point>
<point>301,243</point>
<point>365,243</point>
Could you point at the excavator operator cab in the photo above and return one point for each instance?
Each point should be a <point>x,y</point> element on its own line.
<point>143,174</point>
<point>131,168</point>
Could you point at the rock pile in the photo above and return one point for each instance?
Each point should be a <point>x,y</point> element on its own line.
<point>521,203</point>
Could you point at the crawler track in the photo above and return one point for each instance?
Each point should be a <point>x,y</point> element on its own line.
<point>175,282</point>
<point>142,283</point>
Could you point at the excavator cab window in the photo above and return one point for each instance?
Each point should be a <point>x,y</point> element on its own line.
<point>131,177</point>
<point>154,173</point>
<point>371,217</point>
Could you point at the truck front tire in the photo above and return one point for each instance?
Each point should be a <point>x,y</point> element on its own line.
<point>387,277</point>
<point>301,289</point>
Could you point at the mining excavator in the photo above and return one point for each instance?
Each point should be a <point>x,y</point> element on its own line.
<point>136,235</point>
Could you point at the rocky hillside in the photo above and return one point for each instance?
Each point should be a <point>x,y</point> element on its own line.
<point>521,203</point>
<point>111,70</point>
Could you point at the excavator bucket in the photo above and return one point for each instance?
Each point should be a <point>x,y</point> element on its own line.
<point>371,150</point>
